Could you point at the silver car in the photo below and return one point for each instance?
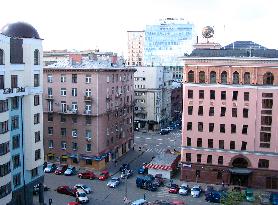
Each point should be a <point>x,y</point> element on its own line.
<point>87,189</point>
<point>114,182</point>
<point>196,191</point>
<point>184,189</point>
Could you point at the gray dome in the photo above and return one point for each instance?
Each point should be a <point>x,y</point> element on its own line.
<point>20,30</point>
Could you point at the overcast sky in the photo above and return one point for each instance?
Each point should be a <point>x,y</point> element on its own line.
<point>90,24</point>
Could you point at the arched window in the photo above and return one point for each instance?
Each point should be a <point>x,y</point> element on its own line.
<point>224,77</point>
<point>36,57</point>
<point>235,77</point>
<point>268,78</point>
<point>240,162</point>
<point>190,76</point>
<point>212,77</point>
<point>246,78</point>
<point>1,57</point>
<point>202,77</point>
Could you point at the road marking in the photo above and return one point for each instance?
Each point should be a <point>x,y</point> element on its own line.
<point>160,143</point>
<point>148,138</point>
<point>157,145</point>
<point>172,140</point>
<point>137,137</point>
<point>159,139</point>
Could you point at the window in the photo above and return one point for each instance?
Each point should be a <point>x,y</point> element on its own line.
<point>209,159</point>
<point>16,161</point>
<point>14,103</point>
<point>36,118</point>
<point>34,172</point>
<point>235,94</point>
<point>272,182</point>
<point>235,77</point>
<point>211,127</point>
<point>199,142</point>
<point>232,145</point>
<point>15,122</point>
<point>223,95</point>
<point>4,105</point>
<point>190,94</point>
<point>268,78</point>
<point>14,81</point>
<point>263,163</point>
<point>188,157</point>
<point>37,136</point>
<point>63,132</point>
<point>200,127</point>
<point>88,134</point>
<point>222,128</point>
<point>36,100</point>
<point>37,154</point>
<point>266,120</point>
<point>188,140</point>
<point>201,111</point>
<point>245,112</point>
<point>88,92</point>
<point>212,94</point>
<point>49,91</point>
<point>4,127</point>
<point>243,145</point>
<point>211,111</point>
<point>63,78</point>
<point>63,118</point>
<point>89,78</point>
<point>201,94</point>
<point>189,125</point>
<point>50,144</point>
<point>88,147</point>
<point>190,77</point>
<point>88,120</point>
<point>2,82</point>
<point>244,129</point>
<point>246,96</point>
<point>210,143</point>
<point>220,160</point>
<point>50,130</point>
<point>5,169</point>
<point>4,148</point>
<point>224,77</point>
<point>267,103</point>
<point>74,119</point>
<point>212,77</point>
<point>234,112</point>
<point>1,59</point>
<point>74,78</point>
<point>36,80</point>
<point>223,111</point>
<point>63,145</point>
<point>202,77</point>
<point>190,110</point>
<point>16,142</point>
<point>74,146</point>
<point>17,180</point>
<point>49,78</point>
<point>36,57</point>
<point>199,158</point>
<point>74,91</point>
<point>221,144</point>
<point>246,77</point>
<point>50,117</point>
<point>233,128</point>
<point>74,133</point>
<point>63,92</point>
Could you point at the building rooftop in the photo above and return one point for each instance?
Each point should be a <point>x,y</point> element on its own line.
<point>245,45</point>
<point>20,30</point>
<point>164,159</point>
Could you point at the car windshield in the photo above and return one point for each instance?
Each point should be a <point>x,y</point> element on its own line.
<point>85,187</point>
<point>114,179</point>
<point>59,168</point>
<point>82,194</point>
<point>195,189</point>
<point>183,187</point>
<point>49,165</point>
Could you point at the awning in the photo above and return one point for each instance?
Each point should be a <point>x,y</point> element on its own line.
<point>87,157</point>
<point>73,156</point>
<point>242,171</point>
<point>64,157</point>
<point>50,155</point>
<point>158,166</point>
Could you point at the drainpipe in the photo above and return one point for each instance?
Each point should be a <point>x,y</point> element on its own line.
<point>97,112</point>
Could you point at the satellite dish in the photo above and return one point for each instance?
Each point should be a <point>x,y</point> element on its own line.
<point>207,32</point>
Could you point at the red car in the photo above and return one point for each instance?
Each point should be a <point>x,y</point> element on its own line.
<point>73,203</point>
<point>66,190</point>
<point>174,189</point>
<point>87,175</point>
<point>103,175</point>
<point>61,169</point>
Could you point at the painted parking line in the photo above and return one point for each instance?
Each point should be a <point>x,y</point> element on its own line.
<point>148,138</point>
<point>172,140</point>
<point>137,137</point>
<point>159,139</point>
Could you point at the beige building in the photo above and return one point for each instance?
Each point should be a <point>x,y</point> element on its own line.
<point>135,47</point>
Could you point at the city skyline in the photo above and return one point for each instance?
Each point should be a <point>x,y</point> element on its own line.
<point>89,25</point>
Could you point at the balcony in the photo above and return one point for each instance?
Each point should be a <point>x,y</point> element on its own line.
<point>69,112</point>
<point>12,92</point>
<point>108,97</point>
<point>118,95</point>
<point>88,112</point>
<point>88,98</point>
<point>49,97</point>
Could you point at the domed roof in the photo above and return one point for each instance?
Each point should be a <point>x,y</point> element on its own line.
<point>20,30</point>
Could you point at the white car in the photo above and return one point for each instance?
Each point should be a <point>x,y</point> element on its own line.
<point>184,189</point>
<point>81,196</point>
<point>196,191</point>
<point>114,182</point>
<point>87,189</point>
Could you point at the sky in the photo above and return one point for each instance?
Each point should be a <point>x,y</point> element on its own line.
<point>103,24</point>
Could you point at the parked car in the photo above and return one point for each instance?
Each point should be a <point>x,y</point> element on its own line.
<point>114,182</point>
<point>164,131</point>
<point>87,175</point>
<point>73,203</point>
<point>213,196</point>
<point>249,195</point>
<point>264,198</point>
<point>124,167</point>
<point>44,165</point>
<point>274,198</point>
<point>174,189</point>
<point>146,182</point>
<point>104,175</point>
<point>209,189</point>
<point>66,190</point>
<point>196,191</point>
<point>70,171</point>
<point>36,189</point>
<point>184,189</point>
<point>158,180</point>
<point>87,189</point>
<point>61,169</point>
<point>81,196</point>
<point>143,169</point>
<point>139,202</point>
<point>177,202</point>
<point>50,167</point>
<point>126,173</point>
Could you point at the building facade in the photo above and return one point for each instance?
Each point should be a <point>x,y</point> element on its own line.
<point>152,88</point>
<point>21,128</point>
<point>229,126</point>
<point>135,47</point>
<point>88,112</point>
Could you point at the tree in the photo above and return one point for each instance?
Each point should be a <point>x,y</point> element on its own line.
<point>232,198</point>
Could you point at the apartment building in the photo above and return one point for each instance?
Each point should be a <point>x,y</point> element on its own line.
<point>135,47</point>
<point>21,128</point>
<point>229,126</point>
<point>88,110</point>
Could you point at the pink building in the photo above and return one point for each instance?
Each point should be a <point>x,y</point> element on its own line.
<point>88,112</point>
<point>230,119</point>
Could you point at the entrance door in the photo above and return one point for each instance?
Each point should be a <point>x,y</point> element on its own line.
<point>239,180</point>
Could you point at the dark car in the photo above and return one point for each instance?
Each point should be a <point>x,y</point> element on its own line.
<point>50,168</point>
<point>209,189</point>
<point>126,173</point>
<point>274,198</point>
<point>174,189</point>
<point>44,165</point>
<point>66,190</point>
<point>124,167</point>
<point>70,171</point>
<point>143,170</point>
<point>61,169</point>
<point>164,131</point>
<point>158,180</point>
<point>214,197</point>
<point>87,175</point>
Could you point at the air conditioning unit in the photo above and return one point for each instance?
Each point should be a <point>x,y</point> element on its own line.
<point>88,138</point>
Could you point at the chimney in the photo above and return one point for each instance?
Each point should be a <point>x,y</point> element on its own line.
<point>75,58</point>
<point>197,39</point>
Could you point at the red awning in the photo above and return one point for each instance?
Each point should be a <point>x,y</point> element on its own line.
<point>158,166</point>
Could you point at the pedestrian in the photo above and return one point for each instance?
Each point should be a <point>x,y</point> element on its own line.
<point>116,163</point>
<point>223,184</point>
